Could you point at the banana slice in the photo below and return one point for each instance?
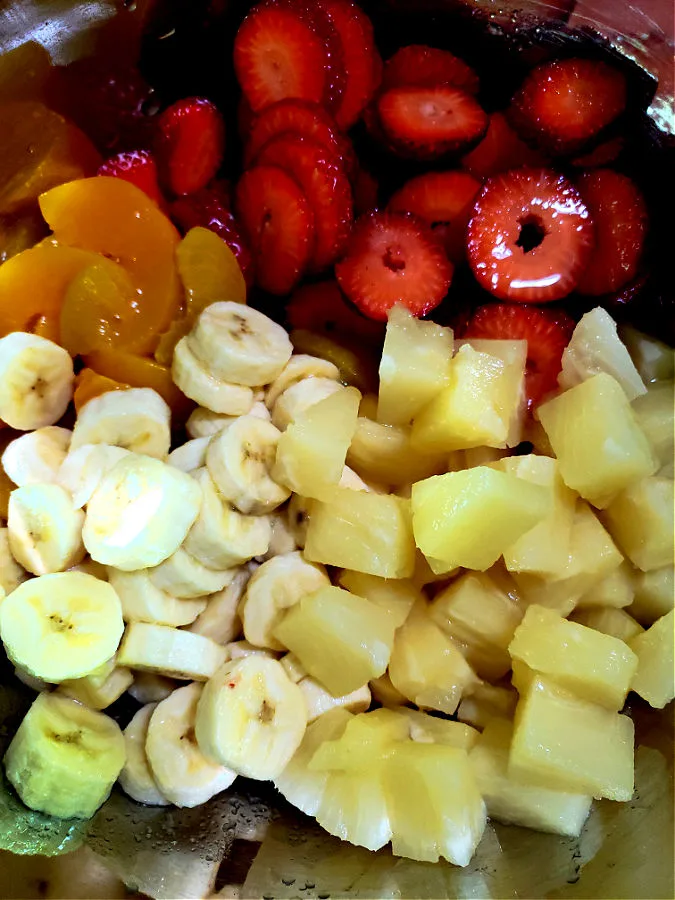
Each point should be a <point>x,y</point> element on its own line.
<point>299,511</point>
<point>197,383</point>
<point>293,667</point>
<point>282,539</point>
<point>185,577</point>
<point>45,532</point>
<point>191,455</point>
<point>349,479</point>
<point>101,688</point>
<point>35,684</point>
<point>11,573</point>
<point>136,778</point>
<point>143,602</point>
<point>35,458</point>
<point>299,397</point>
<point>140,513</point>
<point>251,717</point>
<point>137,419</point>
<point>36,381</point>
<point>220,620</point>
<point>61,626</point>
<point>64,758</point>
<point>82,470</point>
<point>151,688</point>
<point>240,344</point>
<point>274,587</point>
<point>169,651</point>
<point>183,773</point>
<point>299,367</point>
<point>240,460</point>
<point>240,649</point>
<point>222,537</point>
<point>204,423</point>
<point>319,700</point>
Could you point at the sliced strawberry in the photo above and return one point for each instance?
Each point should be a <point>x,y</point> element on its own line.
<point>563,104</point>
<point>426,122</point>
<point>530,236</point>
<point>137,167</point>
<point>393,258</point>
<point>500,149</point>
<point>279,224</point>
<point>191,144</point>
<point>445,201</point>
<point>620,218</point>
<point>322,309</point>
<point>602,155</point>
<point>546,331</point>
<point>324,184</point>
<point>245,118</point>
<point>420,66</point>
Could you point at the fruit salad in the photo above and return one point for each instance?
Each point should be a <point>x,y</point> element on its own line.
<point>338,479</point>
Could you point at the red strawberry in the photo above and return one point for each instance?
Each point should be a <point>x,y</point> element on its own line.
<point>421,66</point>
<point>393,258</point>
<point>530,236</point>
<point>546,331</point>
<point>245,118</point>
<point>620,218</point>
<point>565,103</point>
<point>324,184</point>
<point>500,149</point>
<point>322,309</point>
<point>314,13</point>
<point>191,144</point>
<point>279,224</point>
<point>366,191</point>
<point>445,201</point>
<point>136,166</point>
<point>602,155</point>
<point>427,122</point>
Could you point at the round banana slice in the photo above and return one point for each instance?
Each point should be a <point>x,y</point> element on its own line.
<point>36,381</point>
<point>191,455</point>
<point>251,717</point>
<point>299,367</point>
<point>35,684</point>
<point>282,539</point>
<point>140,513</point>
<point>82,469</point>
<point>35,458</point>
<point>183,773</point>
<point>197,383</point>
<point>11,573</point>
<point>299,397</point>
<point>222,537</point>
<point>274,587</point>
<point>240,460</point>
<point>240,649</point>
<point>169,651</point>
<point>220,620</point>
<point>240,344</point>
<point>61,626</point>
<point>204,423</point>
<point>185,577</point>
<point>45,532</point>
<point>137,419</point>
<point>136,778</point>
<point>143,602</point>
<point>151,688</point>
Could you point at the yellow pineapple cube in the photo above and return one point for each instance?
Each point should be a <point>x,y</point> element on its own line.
<point>426,729</point>
<point>488,701</point>
<point>640,519</point>
<point>397,597</point>
<point>414,366</point>
<point>513,397</point>
<point>655,361</point>
<point>366,739</point>
<point>522,676</point>
<point>487,662</point>
<point>564,743</point>
<point>655,412</point>
<point>385,693</point>
<point>615,589</point>
<point>470,518</point>
<point>384,454</point>
<point>593,665</point>
<point>655,676</point>
<point>609,620</point>
<point>596,439</point>
<point>514,802</point>
<point>341,640</point>
<point>365,532</point>
<point>654,594</point>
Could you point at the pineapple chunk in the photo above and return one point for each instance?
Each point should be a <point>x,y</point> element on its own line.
<point>341,640</point>
<point>384,454</point>
<point>470,518</point>
<point>522,676</point>
<point>363,744</point>
<point>319,700</point>
<point>654,594</point>
<point>311,452</point>
<point>487,662</point>
<point>414,366</point>
<point>424,575</point>
<point>655,676</point>
<point>640,519</point>
<point>426,667</point>
<point>595,666</point>
<point>596,438</point>
<point>514,356</point>
<point>514,802</point>
<point>609,620</point>
<point>478,456</point>
<point>488,701</point>
<point>426,729</point>
<point>368,533</point>
<point>397,597</point>
<point>385,693</point>
<point>655,361</point>
<point>596,347</point>
<point>564,743</point>
<point>655,412</point>
<point>615,589</point>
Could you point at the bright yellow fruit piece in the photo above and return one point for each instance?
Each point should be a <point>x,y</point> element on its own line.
<point>470,518</point>
<point>640,519</point>
<point>596,439</point>
<point>383,453</point>
<point>564,743</point>
<point>397,597</point>
<point>488,701</point>
<point>654,594</point>
<point>366,532</point>
<point>366,739</point>
<point>512,399</point>
<point>655,412</point>
<point>609,620</point>
<point>615,589</point>
<point>427,729</point>
<point>655,676</point>
<point>655,360</point>
<point>209,270</point>
<point>595,666</point>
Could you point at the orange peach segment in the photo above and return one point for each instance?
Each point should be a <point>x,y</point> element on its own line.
<point>209,270</point>
<point>89,384</point>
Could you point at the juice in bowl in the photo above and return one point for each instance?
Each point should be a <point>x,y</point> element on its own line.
<point>375,297</point>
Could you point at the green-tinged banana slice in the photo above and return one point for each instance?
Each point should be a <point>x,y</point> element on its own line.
<point>64,758</point>
<point>136,778</point>
<point>137,419</point>
<point>185,577</point>
<point>240,461</point>
<point>82,469</point>
<point>300,396</point>
<point>191,455</point>
<point>170,651</point>
<point>11,573</point>
<point>220,620</point>
<point>251,717</point>
<point>299,367</point>
<point>100,689</point>
<point>61,626</point>
<point>140,513</point>
<point>183,773</point>
<point>36,381</point>
<point>240,344</point>
<point>45,532</point>
<point>196,382</point>
<point>35,458</point>
<point>143,602</point>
